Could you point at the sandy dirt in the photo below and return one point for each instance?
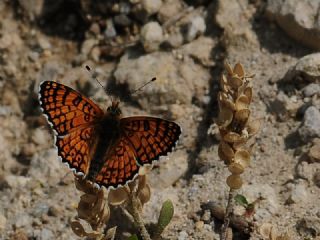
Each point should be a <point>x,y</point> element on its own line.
<point>185,47</point>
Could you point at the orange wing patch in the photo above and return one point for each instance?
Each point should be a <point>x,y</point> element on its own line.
<point>120,166</point>
<point>65,108</point>
<point>74,149</point>
<point>150,137</point>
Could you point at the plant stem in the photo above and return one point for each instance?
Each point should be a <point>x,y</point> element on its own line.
<point>229,209</point>
<point>136,215</point>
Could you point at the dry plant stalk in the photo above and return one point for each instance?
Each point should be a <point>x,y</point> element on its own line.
<point>235,129</point>
<point>94,207</point>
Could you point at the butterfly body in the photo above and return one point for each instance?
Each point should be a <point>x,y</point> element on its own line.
<point>103,147</point>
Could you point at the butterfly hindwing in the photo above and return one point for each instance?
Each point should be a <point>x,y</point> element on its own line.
<point>150,137</point>
<point>74,149</point>
<point>120,165</point>
<point>65,108</point>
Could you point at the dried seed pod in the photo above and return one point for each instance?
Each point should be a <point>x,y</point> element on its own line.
<point>235,82</point>
<point>236,168</point>
<point>242,116</point>
<point>253,126</point>
<point>228,68</point>
<point>224,83</point>
<point>143,170</point>
<point>248,92</point>
<point>242,157</point>
<point>234,181</point>
<point>239,121</point>
<point>238,69</point>
<point>79,230</point>
<point>225,102</point>
<point>144,194</point>
<point>242,102</point>
<point>223,157</point>
<point>233,137</point>
<point>227,150</point>
<point>118,196</point>
<point>225,117</point>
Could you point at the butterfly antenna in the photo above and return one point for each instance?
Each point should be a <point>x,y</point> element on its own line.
<point>143,85</point>
<point>94,76</point>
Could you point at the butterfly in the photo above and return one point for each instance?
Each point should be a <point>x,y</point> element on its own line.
<point>103,147</point>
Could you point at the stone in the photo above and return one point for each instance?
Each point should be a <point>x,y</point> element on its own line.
<point>195,28</point>
<point>200,49</point>
<point>316,178</point>
<point>15,182</point>
<point>307,69</point>
<point>44,234</point>
<point>169,10</point>
<point>45,165</point>
<point>151,36</point>
<point>311,89</point>
<point>50,71</point>
<point>306,170</point>
<point>110,31</point>
<point>299,19</point>
<point>39,8</point>
<point>170,170</point>
<point>310,127</point>
<point>151,6</point>
<point>40,137</point>
<point>309,225</point>
<point>238,28</point>
<point>87,45</point>
<point>299,193</point>
<point>122,20</point>
<point>284,107</point>
<point>314,153</point>
<point>175,82</point>
<point>40,209</point>
<point>3,221</point>
<point>22,220</point>
<point>199,225</point>
<point>183,235</point>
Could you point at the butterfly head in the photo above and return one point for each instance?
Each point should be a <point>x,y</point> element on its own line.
<point>114,109</point>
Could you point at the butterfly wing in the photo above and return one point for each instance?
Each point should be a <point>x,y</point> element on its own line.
<point>72,117</point>
<point>150,137</point>
<point>120,165</point>
<point>65,108</point>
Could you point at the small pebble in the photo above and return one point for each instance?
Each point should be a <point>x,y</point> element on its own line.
<point>196,27</point>
<point>311,89</point>
<point>311,124</point>
<point>316,178</point>
<point>199,225</point>
<point>151,6</point>
<point>3,221</point>
<point>151,36</point>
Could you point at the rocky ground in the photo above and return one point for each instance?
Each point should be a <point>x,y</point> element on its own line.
<point>184,44</point>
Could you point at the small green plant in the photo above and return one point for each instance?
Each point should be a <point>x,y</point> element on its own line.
<point>165,216</point>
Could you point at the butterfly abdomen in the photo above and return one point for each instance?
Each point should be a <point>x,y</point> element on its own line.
<point>107,132</point>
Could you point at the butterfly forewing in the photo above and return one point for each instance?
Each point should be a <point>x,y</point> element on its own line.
<point>150,137</point>
<point>65,108</point>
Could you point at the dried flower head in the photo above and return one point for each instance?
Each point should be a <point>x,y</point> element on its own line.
<point>93,208</point>
<point>234,122</point>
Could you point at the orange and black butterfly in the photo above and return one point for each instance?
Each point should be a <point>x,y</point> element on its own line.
<point>101,146</point>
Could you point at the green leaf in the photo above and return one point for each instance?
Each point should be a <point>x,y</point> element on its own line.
<point>133,237</point>
<point>166,214</point>
<point>241,200</point>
